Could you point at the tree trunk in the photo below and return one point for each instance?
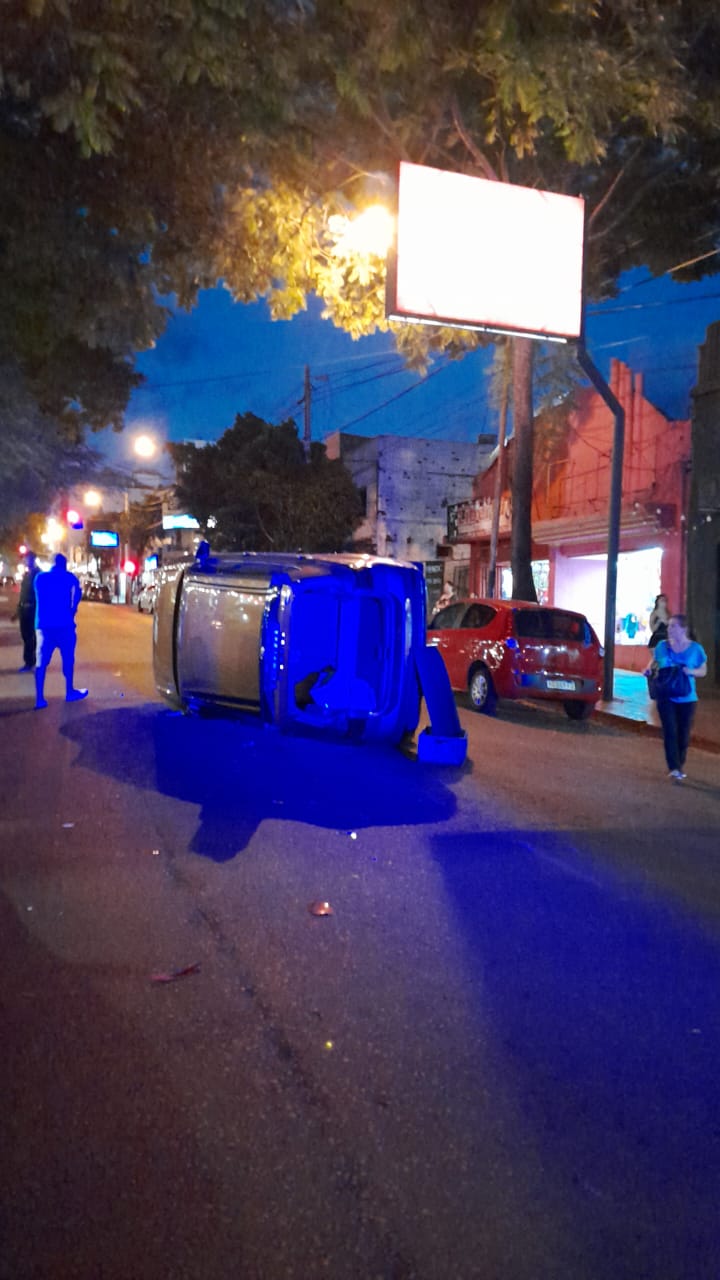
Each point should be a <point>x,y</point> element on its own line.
<point>499,487</point>
<point>522,477</point>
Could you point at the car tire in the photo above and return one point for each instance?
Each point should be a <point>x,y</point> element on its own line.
<point>481,691</point>
<point>578,710</point>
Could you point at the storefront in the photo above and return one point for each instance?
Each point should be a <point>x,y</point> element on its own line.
<point>570,517</point>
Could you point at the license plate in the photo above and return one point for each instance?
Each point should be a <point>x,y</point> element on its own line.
<point>561,684</point>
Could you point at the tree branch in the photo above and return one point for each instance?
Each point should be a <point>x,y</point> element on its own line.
<point>609,193</point>
<point>478,156</point>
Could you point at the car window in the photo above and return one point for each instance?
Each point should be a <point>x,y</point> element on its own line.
<point>549,624</point>
<point>447,618</point>
<point>478,615</point>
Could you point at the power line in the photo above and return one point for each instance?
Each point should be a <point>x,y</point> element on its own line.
<point>602,310</point>
<point>399,396</point>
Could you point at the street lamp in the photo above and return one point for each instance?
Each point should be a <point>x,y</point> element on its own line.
<point>145,446</point>
<point>369,234</point>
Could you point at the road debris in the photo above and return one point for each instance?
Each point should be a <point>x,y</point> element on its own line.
<point>175,974</point>
<point>320,909</point>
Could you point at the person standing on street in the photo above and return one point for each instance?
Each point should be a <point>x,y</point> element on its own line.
<point>58,594</point>
<point>26,612</point>
<point>676,713</point>
<point>658,623</point>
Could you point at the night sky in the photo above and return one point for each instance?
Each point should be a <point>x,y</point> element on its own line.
<point>225,358</point>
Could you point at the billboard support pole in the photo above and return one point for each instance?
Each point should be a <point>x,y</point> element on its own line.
<point>615,507</point>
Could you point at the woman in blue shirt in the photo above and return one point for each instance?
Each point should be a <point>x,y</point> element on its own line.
<point>676,714</point>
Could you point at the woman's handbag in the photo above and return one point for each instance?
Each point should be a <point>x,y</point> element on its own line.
<point>668,682</point>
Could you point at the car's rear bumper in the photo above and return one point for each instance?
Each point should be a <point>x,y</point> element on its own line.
<point>554,686</point>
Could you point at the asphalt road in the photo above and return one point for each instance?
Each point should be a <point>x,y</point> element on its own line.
<point>496,1060</point>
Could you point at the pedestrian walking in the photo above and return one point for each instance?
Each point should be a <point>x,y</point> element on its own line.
<point>677,711</point>
<point>26,612</point>
<point>58,595</point>
<point>658,622</point>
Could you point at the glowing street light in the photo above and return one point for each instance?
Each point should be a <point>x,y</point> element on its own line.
<point>369,234</point>
<point>54,533</point>
<point>92,498</point>
<point>144,446</point>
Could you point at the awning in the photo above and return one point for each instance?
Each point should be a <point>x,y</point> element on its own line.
<point>568,530</point>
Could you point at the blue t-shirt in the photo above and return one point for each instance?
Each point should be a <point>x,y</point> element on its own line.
<point>693,656</point>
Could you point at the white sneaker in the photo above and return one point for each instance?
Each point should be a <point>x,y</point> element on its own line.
<point>676,775</point>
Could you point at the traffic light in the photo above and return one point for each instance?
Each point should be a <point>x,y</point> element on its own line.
<point>22,549</point>
<point>73,518</point>
<point>130,568</point>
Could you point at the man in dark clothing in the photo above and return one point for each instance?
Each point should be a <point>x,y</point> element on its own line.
<point>26,613</point>
<point>58,595</point>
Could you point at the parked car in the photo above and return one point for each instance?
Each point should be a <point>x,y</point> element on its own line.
<point>146,598</point>
<point>512,649</point>
<point>329,643</point>
<point>97,591</point>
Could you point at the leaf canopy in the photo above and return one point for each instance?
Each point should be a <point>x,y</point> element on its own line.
<point>254,490</point>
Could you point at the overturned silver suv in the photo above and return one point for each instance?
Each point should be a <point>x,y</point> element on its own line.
<point>334,643</point>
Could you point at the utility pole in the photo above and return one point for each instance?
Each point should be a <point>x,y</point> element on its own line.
<point>307,431</point>
<point>614,512</point>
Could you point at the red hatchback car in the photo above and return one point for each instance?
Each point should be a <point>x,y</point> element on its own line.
<point>512,649</point>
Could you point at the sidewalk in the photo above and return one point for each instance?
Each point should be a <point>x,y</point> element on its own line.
<point>632,708</point>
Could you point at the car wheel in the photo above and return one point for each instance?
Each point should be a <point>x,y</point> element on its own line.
<point>481,691</point>
<point>579,710</point>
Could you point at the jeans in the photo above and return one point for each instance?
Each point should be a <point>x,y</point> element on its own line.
<point>676,719</point>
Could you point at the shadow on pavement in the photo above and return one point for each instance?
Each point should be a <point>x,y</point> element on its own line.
<point>603,1008</point>
<point>240,773</point>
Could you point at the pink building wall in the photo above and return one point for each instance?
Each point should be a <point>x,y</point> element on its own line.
<point>571,496</point>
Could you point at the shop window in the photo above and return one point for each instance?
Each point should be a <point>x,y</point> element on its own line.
<point>541,579</point>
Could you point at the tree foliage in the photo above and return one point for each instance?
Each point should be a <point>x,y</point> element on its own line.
<point>150,147</point>
<point>618,102</point>
<point>255,490</point>
<point>38,460</point>
<point>121,125</point>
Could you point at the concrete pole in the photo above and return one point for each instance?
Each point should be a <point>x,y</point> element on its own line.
<point>614,512</point>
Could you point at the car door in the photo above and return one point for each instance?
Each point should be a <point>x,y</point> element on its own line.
<point>474,639</point>
<point>444,635</point>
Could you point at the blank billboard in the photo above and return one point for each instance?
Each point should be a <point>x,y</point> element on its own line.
<point>486,255</point>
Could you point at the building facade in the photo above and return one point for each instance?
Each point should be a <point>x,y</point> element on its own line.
<point>704,514</point>
<point>407,485</point>
<point>570,509</point>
